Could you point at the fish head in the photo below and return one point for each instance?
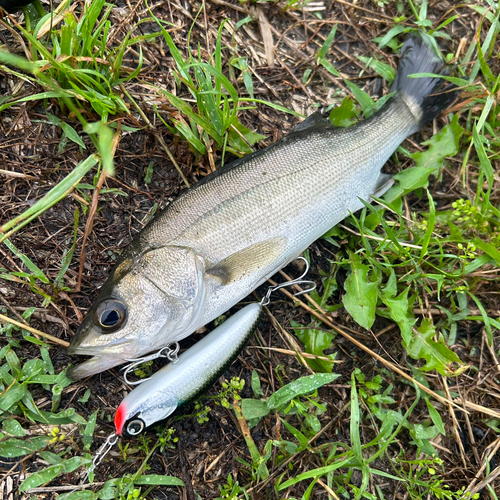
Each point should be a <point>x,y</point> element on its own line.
<point>147,303</point>
<point>137,412</point>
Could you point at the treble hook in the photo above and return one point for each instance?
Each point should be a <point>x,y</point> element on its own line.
<point>165,352</point>
<point>297,281</point>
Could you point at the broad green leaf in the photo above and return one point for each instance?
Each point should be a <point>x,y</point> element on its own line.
<point>156,479</point>
<point>487,320</point>
<point>436,417</point>
<point>407,181</point>
<point>399,312</point>
<point>360,298</point>
<point>303,441</point>
<point>78,495</point>
<point>12,448</point>
<point>391,287</point>
<point>329,67</point>
<point>421,431</point>
<point>355,422</point>
<point>320,471</point>
<point>75,462</point>
<point>12,395</point>
<point>431,222</point>
<point>488,248</point>
<point>13,427</point>
<point>37,272</point>
<point>189,135</point>
<point>315,342</point>
<point>298,387</point>
<point>444,143</point>
<point>72,134</point>
<point>344,115</point>
<point>14,364</point>
<point>65,417</point>
<point>254,408</point>
<point>88,433</point>
<point>484,161</point>
<point>108,491</point>
<point>33,412</point>
<point>325,48</point>
<point>257,391</point>
<point>32,368</point>
<point>436,354</point>
<point>393,32</point>
<point>48,362</point>
<point>56,194</point>
<point>251,137</point>
<point>51,458</point>
<point>41,477</point>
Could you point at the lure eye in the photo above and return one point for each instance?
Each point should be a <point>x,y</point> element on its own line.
<point>135,427</point>
<point>110,315</point>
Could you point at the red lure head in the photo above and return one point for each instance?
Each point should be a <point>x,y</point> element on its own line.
<point>120,416</point>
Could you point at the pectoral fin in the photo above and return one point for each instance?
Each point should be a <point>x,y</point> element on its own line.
<point>241,264</point>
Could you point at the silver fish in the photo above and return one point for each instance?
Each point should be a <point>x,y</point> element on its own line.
<point>226,236</point>
<point>185,379</point>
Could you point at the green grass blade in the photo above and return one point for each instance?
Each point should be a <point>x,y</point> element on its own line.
<point>355,421</point>
<point>55,195</point>
<point>430,227</point>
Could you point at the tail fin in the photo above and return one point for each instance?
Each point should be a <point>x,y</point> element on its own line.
<point>426,97</point>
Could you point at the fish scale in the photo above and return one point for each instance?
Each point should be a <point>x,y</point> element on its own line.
<point>221,239</point>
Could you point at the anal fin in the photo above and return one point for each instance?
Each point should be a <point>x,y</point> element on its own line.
<point>384,182</point>
<point>318,119</point>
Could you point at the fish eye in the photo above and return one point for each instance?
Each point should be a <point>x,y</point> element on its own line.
<point>110,315</point>
<point>135,427</point>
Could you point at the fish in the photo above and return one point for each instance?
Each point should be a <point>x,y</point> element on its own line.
<point>183,380</point>
<point>224,237</point>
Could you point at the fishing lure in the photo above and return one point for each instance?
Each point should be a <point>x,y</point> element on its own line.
<point>189,376</point>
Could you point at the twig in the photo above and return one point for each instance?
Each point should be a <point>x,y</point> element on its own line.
<point>50,489</point>
<point>455,424</point>
<point>471,489</point>
<point>328,489</point>
<point>34,331</point>
<point>298,354</point>
<point>89,225</point>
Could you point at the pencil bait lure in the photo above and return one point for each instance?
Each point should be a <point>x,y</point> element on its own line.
<point>194,371</point>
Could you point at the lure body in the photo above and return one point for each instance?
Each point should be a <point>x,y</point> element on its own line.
<point>182,381</point>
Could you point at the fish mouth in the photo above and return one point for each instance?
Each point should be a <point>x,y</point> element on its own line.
<point>93,366</point>
<point>84,349</point>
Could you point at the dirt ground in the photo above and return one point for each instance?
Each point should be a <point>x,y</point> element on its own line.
<point>30,164</point>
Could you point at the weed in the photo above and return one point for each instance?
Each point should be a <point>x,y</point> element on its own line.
<point>231,490</point>
<point>213,123</point>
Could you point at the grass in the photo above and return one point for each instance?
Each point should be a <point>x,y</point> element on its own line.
<point>421,264</point>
